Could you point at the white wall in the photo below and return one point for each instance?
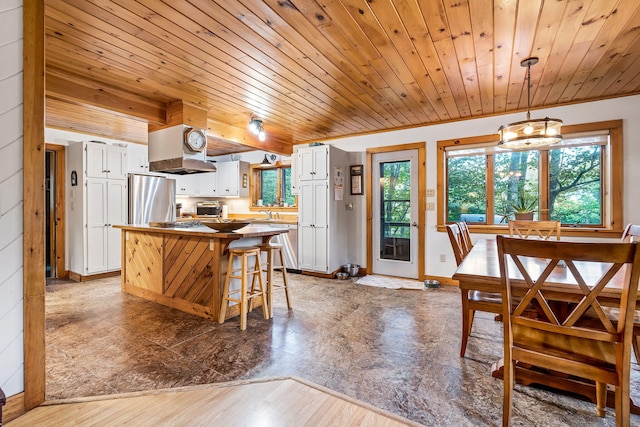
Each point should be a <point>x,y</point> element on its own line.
<point>11,282</point>
<point>627,109</point>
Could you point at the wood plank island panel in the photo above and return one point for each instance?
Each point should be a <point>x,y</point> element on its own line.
<point>183,268</point>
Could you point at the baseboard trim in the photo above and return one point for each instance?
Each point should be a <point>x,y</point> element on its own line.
<point>14,407</point>
<point>76,277</point>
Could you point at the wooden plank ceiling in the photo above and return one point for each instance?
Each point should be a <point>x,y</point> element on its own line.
<point>315,70</point>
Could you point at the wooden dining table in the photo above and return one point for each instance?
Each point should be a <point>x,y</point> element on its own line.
<point>480,270</point>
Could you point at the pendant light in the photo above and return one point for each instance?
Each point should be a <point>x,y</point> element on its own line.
<point>530,133</point>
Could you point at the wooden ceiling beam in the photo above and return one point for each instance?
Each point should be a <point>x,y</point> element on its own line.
<point>84,92</point>
<point>273,143</point>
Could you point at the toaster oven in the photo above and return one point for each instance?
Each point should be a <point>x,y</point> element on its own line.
<point>208,209</point>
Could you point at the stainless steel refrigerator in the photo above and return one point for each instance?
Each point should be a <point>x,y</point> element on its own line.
<point>151,198</point>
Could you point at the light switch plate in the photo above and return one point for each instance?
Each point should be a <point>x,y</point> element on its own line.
<point>431,206</point>
<point>431,192</point>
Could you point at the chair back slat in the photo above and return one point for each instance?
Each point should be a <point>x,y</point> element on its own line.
<point>457,243</point>
<point>544,230</point>
<point>466,235</point>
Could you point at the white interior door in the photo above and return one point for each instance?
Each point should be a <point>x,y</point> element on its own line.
<point>395,213</point>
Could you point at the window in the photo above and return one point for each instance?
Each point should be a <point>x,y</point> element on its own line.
<point>573,181</point>
<point>271,187</point>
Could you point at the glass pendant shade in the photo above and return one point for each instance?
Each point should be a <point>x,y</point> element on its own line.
<point>530,133</point>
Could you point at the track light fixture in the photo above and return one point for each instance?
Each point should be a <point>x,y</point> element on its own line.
<point>255,126</point>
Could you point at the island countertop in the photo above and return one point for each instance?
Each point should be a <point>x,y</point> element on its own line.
<point>183,268</point>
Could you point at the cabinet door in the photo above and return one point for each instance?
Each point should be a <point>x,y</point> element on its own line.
<point>116,215</point>
<point>208,185</point>
<point>96,155</point>
<point>312,231</point>
<point>137,158</point>
<point>320,162</point>
<point>305,159</point>
<point>228,173</point>
<point>306,248</point>
<point>116,162</point>
<point>187,185</point>
<point>295,179</point>
<point>96,232</point>
<point>313,163</point>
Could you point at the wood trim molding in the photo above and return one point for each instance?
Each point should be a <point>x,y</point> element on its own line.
<point>14,407</point>
<point>33,203</point>
<point>422,201</point>
<point>615,172</point>
<point>60,198</point>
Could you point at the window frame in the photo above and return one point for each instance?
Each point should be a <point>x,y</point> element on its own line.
<point>612,181</point>
<point>255,171</point>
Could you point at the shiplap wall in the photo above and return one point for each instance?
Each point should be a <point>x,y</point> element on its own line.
<point>11,293</point>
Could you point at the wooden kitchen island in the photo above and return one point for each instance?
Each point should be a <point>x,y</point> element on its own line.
<point>183,268</point>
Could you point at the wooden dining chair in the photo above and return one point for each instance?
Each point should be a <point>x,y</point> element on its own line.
<point>577,339</point>
<point>472,299</point>
<point>544,230</point>
<point>631,234</point>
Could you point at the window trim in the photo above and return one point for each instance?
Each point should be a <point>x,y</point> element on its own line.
<point>612,213</point>
<point>254,187</point>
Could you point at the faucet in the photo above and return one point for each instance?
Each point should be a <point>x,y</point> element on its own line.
<point>267,212</point>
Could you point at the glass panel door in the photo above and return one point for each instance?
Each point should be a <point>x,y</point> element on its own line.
<point>395,213</point>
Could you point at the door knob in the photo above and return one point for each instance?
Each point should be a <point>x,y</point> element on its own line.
<point>414,224</point>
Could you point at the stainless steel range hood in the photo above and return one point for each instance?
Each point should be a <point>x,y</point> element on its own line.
<point>169,154</point>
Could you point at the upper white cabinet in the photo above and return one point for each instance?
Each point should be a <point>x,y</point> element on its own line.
<point>313,163</point>
<point>231,180</point>
<point>137,158</point>
<point>187,185</point>
<point>208,185</point>
<point>105,161</point>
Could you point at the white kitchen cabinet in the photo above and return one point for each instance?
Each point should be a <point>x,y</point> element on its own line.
<point>94,205</point>
<point>188,185</point>
<point>322,220</point>
<point>233,179</point>
<point>208,184</point>
<point>313,163</point>
<point>295,179</point>
<point>312,226</point>
<point>137,158</point>
<point>105,161</point>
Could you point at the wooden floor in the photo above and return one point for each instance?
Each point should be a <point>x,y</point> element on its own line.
<point>276,402</point>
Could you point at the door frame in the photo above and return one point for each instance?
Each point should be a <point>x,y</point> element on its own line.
<point>422,178</point>
<point>59,223</point>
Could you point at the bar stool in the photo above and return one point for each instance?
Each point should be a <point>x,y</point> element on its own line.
<point>273,249</point>
<point>246,294</point>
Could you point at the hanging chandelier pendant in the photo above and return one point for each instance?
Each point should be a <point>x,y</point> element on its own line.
<point>530,133</point>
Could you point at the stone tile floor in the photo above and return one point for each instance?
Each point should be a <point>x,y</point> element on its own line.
<point>394,349</point>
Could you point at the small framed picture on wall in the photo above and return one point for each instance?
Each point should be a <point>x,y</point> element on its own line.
<point>355,171</point>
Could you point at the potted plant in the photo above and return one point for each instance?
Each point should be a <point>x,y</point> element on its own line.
<point>523,206</point>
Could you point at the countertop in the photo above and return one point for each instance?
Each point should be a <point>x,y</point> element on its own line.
<point>204,231</point>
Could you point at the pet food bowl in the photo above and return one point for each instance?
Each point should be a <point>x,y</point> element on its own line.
<point>351,269</point>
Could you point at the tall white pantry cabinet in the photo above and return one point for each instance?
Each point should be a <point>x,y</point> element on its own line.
<point>96,202</point>
<point>322,222</point>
